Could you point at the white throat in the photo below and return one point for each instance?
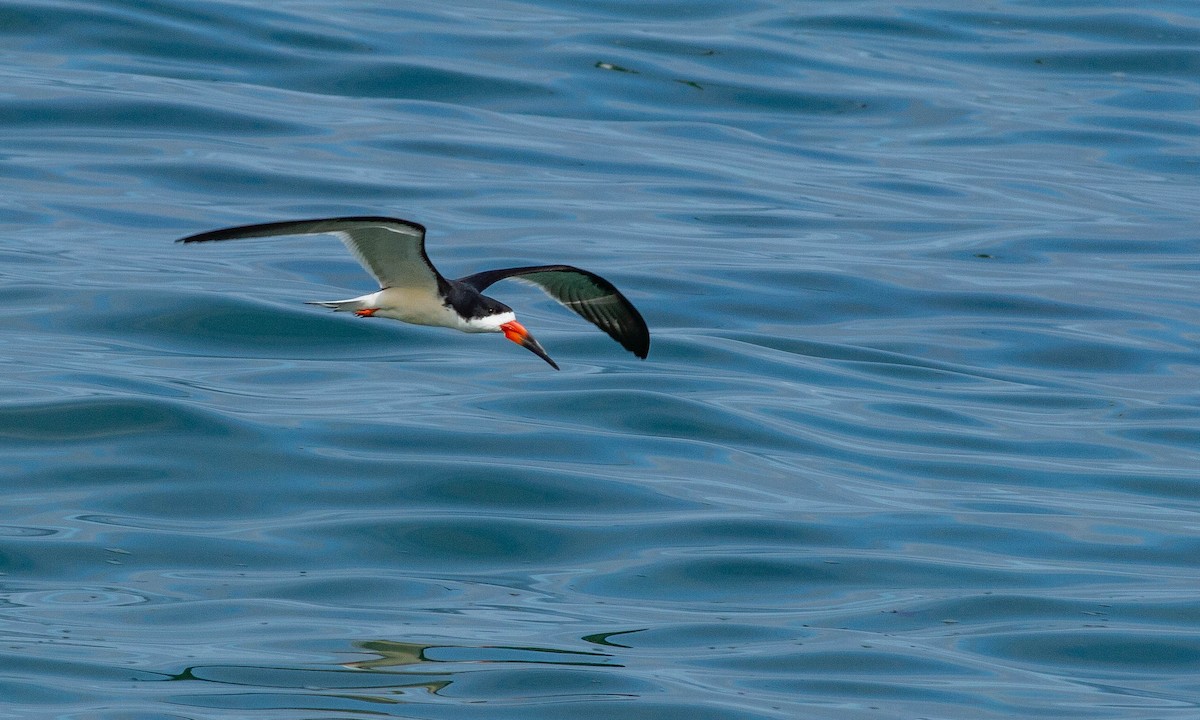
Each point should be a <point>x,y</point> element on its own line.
<point>491,323</point>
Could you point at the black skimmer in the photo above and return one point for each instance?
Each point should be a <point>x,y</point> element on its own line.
<point>413,291</point>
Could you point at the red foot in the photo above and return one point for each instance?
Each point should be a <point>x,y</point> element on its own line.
<point>366,312</point>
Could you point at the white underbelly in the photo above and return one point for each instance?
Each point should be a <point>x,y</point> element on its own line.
<point>418,308</point>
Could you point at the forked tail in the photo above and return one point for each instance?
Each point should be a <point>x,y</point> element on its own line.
<point>338,305</point>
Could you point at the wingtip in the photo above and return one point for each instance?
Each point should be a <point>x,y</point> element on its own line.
<point>640,346</point>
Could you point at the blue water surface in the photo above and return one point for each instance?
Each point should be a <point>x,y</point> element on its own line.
<point>918,435</point>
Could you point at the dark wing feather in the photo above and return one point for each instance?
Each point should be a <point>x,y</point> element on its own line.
<point>590,296</point>
<point>391,249</point>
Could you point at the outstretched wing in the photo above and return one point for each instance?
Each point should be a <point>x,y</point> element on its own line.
<point>391,249</point>
<point>592,297</point>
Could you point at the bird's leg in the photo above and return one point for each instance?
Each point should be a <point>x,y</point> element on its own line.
<point>366,312</point>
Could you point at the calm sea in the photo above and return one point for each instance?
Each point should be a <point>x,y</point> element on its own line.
<point>918,435</point>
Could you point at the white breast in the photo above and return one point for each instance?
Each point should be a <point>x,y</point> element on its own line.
<point>413,306</point>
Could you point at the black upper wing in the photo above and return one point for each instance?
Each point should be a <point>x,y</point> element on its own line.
<point>391,249</point>
<point>592,297</point>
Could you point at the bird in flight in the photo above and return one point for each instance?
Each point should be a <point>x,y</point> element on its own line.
<point>413,291</point>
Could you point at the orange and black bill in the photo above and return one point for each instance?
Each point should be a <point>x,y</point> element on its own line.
<point>516,332</point>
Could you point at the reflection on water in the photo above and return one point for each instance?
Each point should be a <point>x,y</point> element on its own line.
<point>393,654</point>
<point>918,436</point>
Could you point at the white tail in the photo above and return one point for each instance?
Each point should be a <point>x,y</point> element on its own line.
<point>338,305</point>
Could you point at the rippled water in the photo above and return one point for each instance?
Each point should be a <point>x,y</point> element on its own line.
<point>917,437</point>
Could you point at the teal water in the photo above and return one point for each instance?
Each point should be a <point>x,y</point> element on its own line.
<point>918,436</point>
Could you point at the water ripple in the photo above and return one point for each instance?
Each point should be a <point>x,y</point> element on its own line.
<point>917,435</point>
